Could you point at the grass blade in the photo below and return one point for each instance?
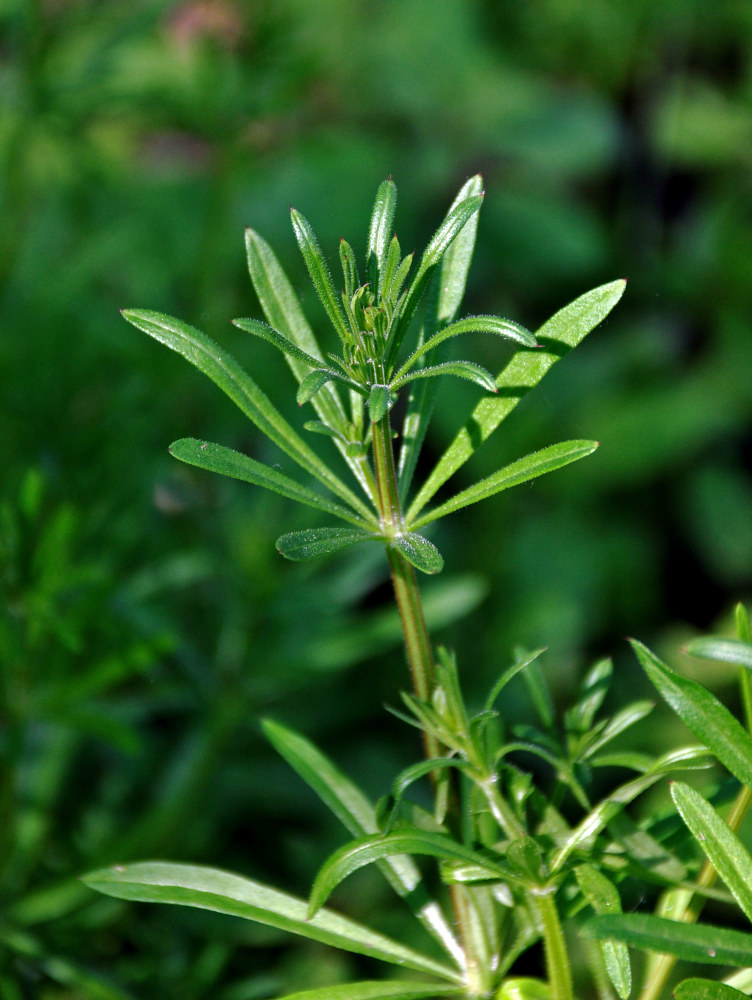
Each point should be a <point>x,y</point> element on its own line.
<point>557,336</point>
<point>701,711</point>
<point>723,848</point>
<point>313,542</point>
<point>211,889</point>
<point>225,372</point>
<point>690,942</point>
<point>358,816</point>
<point>529,467</point>
<point>227,462</point>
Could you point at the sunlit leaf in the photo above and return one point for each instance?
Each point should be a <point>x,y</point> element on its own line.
<point>603,896</point>
<point>380,232</point>
<point>259,329</point>
<point>319,272</point>
<point>312,542</point>
<point>701,711</point>
<point>462,369</point>
<point>211,889</point>
<point>690,942</point>
<point>724,650</point>
<point>707,989</point>
<point>419,552</point>
<point>381,990</point>
<point>379,401</point>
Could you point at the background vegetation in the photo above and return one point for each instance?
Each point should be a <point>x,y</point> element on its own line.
<point>146,621</point>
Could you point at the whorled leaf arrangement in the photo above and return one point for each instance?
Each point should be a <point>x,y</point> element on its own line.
<point>372,320</point>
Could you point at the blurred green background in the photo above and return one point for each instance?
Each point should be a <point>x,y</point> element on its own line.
<point>146,621</point>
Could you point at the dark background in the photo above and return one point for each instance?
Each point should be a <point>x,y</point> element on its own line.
<point>146,620</point>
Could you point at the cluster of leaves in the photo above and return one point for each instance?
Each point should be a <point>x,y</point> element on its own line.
<point>528,853</point>
<point>372,321</point>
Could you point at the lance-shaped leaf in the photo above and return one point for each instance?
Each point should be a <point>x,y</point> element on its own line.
<point>319,272</point>
<point>382,990</point>
<point>603,896</point>
<point>319,377</point>
<point>225,372</point>
<point>419,552</point>
<point>380,232</point>
<point>557,336</point>
<point>259,329</point>
<point>365,851</point>
<point>462,369</point>
<point>707,989</point>
<point>299,545</point>
<point>357,814</point>
<point>690,942</point>
<point>227,462</point>
<point>379,401</point>
<point>529,467</point>
<point>701,711</point>
<point>442,239</point>
<point>723,848</point>
<point>724,650</point>
<point>444,297</point>
<point>471,324</point>
<point>349,269</point>
<point>211,889</point>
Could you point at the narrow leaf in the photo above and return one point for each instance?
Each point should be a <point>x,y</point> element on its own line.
<point>380,231</point>
<point>319,377</point>
<point>526,368</point>
<point>419,552</point>
<point>259,329</point>
<point>508,674</point>
<point>690,942</point>
<point>211,889</point>
<point>359,853</point>
<point>701,711</point>
<point>707,989</point>
<point>724,650</point>
<point>349,268</point>
<point>604,898</point>
<point>529,467</point>
<point>319,272</point>
<point>382,990</point>
<point>379,400</point>
<point>299,545</point>
<point>223,370</point>
<point>472,324</point>
<point>227,462</point>
<point>463,369</point>
<point>723,848</point>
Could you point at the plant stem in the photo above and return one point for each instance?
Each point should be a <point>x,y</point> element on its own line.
<point>557,957</point>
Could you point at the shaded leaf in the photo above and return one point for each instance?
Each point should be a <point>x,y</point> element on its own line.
<point>707,989</point>
<point>526,368</point>
<point>723,848</point>
<point>691,942</point>
<point>419,552</point>
<point>603,896</point>
<point>227,462</point>
<point>701,711</point>
<point>524,469</point>
<point>312,542</point>
<point>211,889</point>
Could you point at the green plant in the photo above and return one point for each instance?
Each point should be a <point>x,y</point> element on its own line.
<point>519,856</point>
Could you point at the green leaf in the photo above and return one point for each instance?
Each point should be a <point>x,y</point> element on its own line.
<point>526,368</point>
<point>618,724</point>
<point>380,232</point>
<point>529,467</point>
<point>358,816</point>
<point>379,401</point>
<point>381,990</point>
<point>723,848</point>
<point>211,889</point>
<point>365,851</point>
<point>463,369</point>
<point>319,377</point>
<point>707,989</point>
<point>259,329</point>
<point>223,370</point>
<point>725,650</point>
<point>508,674</point>
<point>472,324</point>
<point>440,242</point>
<point>419,552</point>
<point>701,711</point>
<point>319,272</point>
<point>690,942</point>
<point>312,542</point>
<point>225,461</point>
<point>603,896</point>
<point>349,268</point>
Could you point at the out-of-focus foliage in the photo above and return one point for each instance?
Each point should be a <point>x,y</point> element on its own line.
<point>146,619</point>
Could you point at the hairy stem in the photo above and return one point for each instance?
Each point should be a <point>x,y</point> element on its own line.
<point>555,947</point>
